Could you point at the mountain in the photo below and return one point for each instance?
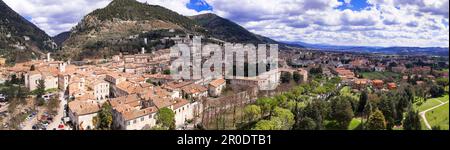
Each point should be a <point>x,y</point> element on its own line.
<point>121,27</point>
<point>60,38</point>
<point>123,24</point>
<point>430,51</point>
<point>18,35</point>
<point>227,30</point>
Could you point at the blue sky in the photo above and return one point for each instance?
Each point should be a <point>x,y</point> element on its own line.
<point>198,5</point>
<point>421,23</point>
<point>354,5</point>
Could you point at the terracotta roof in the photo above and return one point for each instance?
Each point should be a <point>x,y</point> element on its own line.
<point>175,85</point>
<point>131,88</point>
<point>161,102</point>
<point>217,82</point>
<point>155,91</point>
<point>158,76</point>
<point>131,100</point>
<point>135,113</point>
<point>83,107</point>
<point>86,97</point>
<point>194,88</point>
<point>180,103</point>
<point>378,81</point>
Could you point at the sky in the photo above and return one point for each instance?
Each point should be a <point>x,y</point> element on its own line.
<point>422,23</point>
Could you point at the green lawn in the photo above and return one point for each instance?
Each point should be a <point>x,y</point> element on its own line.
<point>439,117</point>
<point>443,99</point>
<point>431,103</point>
<point>356,122</point>
<point>380,75</point>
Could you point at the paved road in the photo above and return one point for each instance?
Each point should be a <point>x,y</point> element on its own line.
<point>57,119</point>
<point>422,114</point>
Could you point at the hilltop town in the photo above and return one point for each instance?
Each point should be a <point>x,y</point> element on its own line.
<point>113,71</point>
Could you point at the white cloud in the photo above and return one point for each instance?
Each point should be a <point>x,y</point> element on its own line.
<point>56,16</point>
<point>383,23</point>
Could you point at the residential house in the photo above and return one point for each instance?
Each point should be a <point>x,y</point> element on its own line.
<point>216,87</point>
<point>194,92</point>
<point>81,113</point>
<point>378,84</point>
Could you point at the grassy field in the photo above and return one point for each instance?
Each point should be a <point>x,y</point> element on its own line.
<point>431,103</point>
<point>439,117</point>
<point>444,99</point>
<point>356,122</point>
<point>380,75</point>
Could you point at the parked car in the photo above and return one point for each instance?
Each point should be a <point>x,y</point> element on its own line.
<point>29,117</point>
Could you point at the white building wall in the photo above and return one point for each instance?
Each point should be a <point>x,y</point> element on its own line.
<point>183,114</point>
<point>140,122</point>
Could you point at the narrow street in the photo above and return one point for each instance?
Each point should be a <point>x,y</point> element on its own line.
<point>57,119</point>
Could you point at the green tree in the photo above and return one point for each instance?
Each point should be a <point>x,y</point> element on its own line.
<point>281,100</point>
<point>22,79</point>
<point>316,71</point>
<point>286,77</point>
<point>412,121</point>
<point>267,105</point>
<point>40,90</point>
<point>285,117</point>
<point>14,79</point>
<point>167,72</point>
<point>437,91</point>
<point>40,101</point>
<point>362,102</point>
<point>318,111</point>
<point>104,119</point>
<point>265,125</point>
<point>166,117</point>
<point>442,81</point>
<point>376,121</point>
<point>52,105</point>
<point>149,81</point>
<point>297,77</point>
<point>306,124</point>
<point>387,107</point>
<point>252,112</point>
<point>342,111</point>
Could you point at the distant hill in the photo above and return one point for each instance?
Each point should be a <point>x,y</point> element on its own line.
<point>227,30</point>
<point>18,35</point>
<point>430,51</point>
<point>60,38</point>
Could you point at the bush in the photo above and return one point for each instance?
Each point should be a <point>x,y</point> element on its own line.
<point>40,102</point>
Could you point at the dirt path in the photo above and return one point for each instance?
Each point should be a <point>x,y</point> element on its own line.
<point>422,114</point>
